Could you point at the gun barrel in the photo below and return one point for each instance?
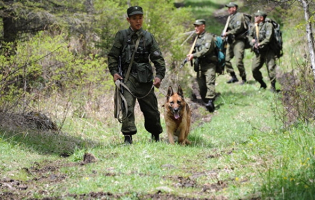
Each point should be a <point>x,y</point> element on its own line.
<point>184,62</point>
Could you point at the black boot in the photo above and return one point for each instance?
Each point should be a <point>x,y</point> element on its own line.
<point>262,84</point>
<point>128,139</point>
<point>210,105</point>
<point>233,79</point>
<point>243,80</point>
<point>155,137</point>
<point>273,86</point>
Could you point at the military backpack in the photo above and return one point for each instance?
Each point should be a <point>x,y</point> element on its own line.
<point>247,26</point>
<point>277,44</point>
<point>220,47</point>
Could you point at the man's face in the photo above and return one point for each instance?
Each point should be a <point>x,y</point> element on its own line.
<point>232,10</point>
<point>199,29</point>
<point>135,21</point>
<point>258,19</point>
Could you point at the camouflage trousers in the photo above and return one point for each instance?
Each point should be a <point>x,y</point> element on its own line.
<point>148,106</point>
<point>267,57</point>
<point>206,81</point>
<point>237,50</point>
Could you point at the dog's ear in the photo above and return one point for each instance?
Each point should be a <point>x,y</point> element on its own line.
<point>180,91</point>
<point>169,91</point>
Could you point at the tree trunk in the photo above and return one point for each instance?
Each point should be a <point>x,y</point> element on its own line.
<point>309,33</point>
<point>9,30</point>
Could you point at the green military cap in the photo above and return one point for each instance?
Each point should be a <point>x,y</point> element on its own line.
<point>200,21</point>
<point>134,10</point>
<point>231,4</point>
<point>260,13</point>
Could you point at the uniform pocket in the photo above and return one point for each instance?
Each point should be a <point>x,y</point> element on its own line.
<point>144,72</point>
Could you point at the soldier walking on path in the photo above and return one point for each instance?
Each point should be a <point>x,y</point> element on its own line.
<point>205,60</point>
<point>137,48</point>
<point>236,37</point>
<point>261,38</point>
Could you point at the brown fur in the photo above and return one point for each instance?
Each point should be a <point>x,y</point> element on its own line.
<point>177,116</point>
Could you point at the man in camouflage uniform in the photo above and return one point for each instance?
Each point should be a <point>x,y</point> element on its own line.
<point>141,81</point>
<point>205,61</point>
<point>236,35</point>
<point>263,49</point>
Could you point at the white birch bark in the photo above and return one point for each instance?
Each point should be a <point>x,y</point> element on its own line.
<point>309,33</point>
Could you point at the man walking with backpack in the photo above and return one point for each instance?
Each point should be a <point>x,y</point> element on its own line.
<point>261,39</point>
<point>205,61</point>
<point>236,37</point>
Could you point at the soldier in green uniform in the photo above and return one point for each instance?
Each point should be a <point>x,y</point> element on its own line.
<point>141,81</point>
<point>263,49</point>
<point>205,61</point>
<point>236,35</point>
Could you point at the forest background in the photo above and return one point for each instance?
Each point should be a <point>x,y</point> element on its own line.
<point>58,137</point>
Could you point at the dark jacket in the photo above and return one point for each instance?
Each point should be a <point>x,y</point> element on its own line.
<point>148,50</point>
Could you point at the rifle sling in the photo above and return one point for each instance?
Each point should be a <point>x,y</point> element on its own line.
<point>132,58</point>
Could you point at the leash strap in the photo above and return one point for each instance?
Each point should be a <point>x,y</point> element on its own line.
<point>120,84</point>
<point>120,112</point>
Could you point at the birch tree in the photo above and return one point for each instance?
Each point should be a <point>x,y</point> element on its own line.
<point>309,32</point>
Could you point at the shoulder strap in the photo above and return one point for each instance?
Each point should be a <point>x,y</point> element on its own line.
<point>244,22</point>
<point>132,58</point>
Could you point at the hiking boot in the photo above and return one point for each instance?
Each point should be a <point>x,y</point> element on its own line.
<point>210,105</point>
<point>233,79</point>
<point>128,139</point>
<point>262,84</point>
<point>273,86</point>
<point>155,137</point>
<point>243,81</point>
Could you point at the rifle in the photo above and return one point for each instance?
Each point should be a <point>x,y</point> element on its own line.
<point>226,26</point>
<point>191,50</point>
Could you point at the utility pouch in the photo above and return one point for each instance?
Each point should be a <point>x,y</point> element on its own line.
<point>144,72</point>
<point>230,39</point>
<point>196,64</point>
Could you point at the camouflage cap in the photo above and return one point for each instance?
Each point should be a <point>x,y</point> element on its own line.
<point>200,22</point>
<point>231,4</point>
<point>260,13</point>
<point>134,10</point>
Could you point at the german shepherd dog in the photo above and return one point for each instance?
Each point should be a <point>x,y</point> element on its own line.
<point>177,116</point>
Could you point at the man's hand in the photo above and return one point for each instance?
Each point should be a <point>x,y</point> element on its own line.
<point>116,77</point>
<point>190,56</point>
<point>157,82</point>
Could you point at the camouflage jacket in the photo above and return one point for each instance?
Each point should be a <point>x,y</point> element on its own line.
<point>148,50</point>
<point>204,48</point>
<point>265,35</point>
<point>237,25</point>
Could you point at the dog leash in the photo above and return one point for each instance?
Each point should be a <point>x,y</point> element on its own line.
<point>120,84</point>
<point>119,112</point>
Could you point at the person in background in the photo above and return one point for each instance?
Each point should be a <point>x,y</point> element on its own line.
<point>137,48</point>
<point>236,37</point>
<point>261,38</point>
<point>205,60</point>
